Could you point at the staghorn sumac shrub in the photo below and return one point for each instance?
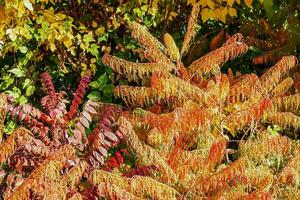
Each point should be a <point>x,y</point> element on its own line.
<point>209,136</point>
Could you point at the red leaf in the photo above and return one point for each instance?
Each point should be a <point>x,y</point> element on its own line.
<point>119,157</point>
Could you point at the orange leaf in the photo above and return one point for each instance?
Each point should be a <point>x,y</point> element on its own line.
<point>230,2</point>
<point>249,2</point>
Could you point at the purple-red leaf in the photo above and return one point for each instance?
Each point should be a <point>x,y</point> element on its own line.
<point>90,109</point>
<point>87,116</point>
<point>111,136</point>
<point>103,151</point>
<point>84,122</point>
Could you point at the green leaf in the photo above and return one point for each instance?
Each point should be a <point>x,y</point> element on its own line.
<point>95,84</point>
<point>108,90</point>
<point>10,127</point>
<point>87,38</point>
<point>103,79</point>
<point>6,83</point>
<point>102,38</point>
<point>29,90</point>
<point>15,92</point>
<point>29,55</point>
<point>22,100</point>
<point>94,96</point>
<point>273,131</point>
<point>23,49</point>
<point>268,6</point>
<point>138,12</point>
<point>26,83</point>
<point>17,72</point>
<point>45,25</point>
<point>94,50</point>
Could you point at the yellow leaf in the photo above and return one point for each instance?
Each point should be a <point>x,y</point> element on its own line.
<point>173,14</point>
<point>21,10</point>
<point>203,3</point>
<point>249,2</point>
<point>192,2</point>
<point>224,87</point>
<point>93,60</point>
<point>232,12</point>
<point>2,33</point>
<point>25,32</point>
<point>154,3</point>
<point>230,2</point>
<point>52,36</point>
<point>221,14</point>
<point>210,4</point>
<point>83,66</point>
<point>73,52</point>
<point>100,31</point>
<point>93,68</point>
<point>205,14</point>
<point>105,49</point>
<point>115,24</point>
<point>171,47</point>
<point>94,24</point>
<point>67,41</point>
<point>60,16</point>
<point>49,15</point>
<point>213,14</point>
<point>52,47</point>
<point>238,1</point>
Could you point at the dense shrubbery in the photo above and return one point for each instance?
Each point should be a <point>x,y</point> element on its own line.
<point>149,119</point>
